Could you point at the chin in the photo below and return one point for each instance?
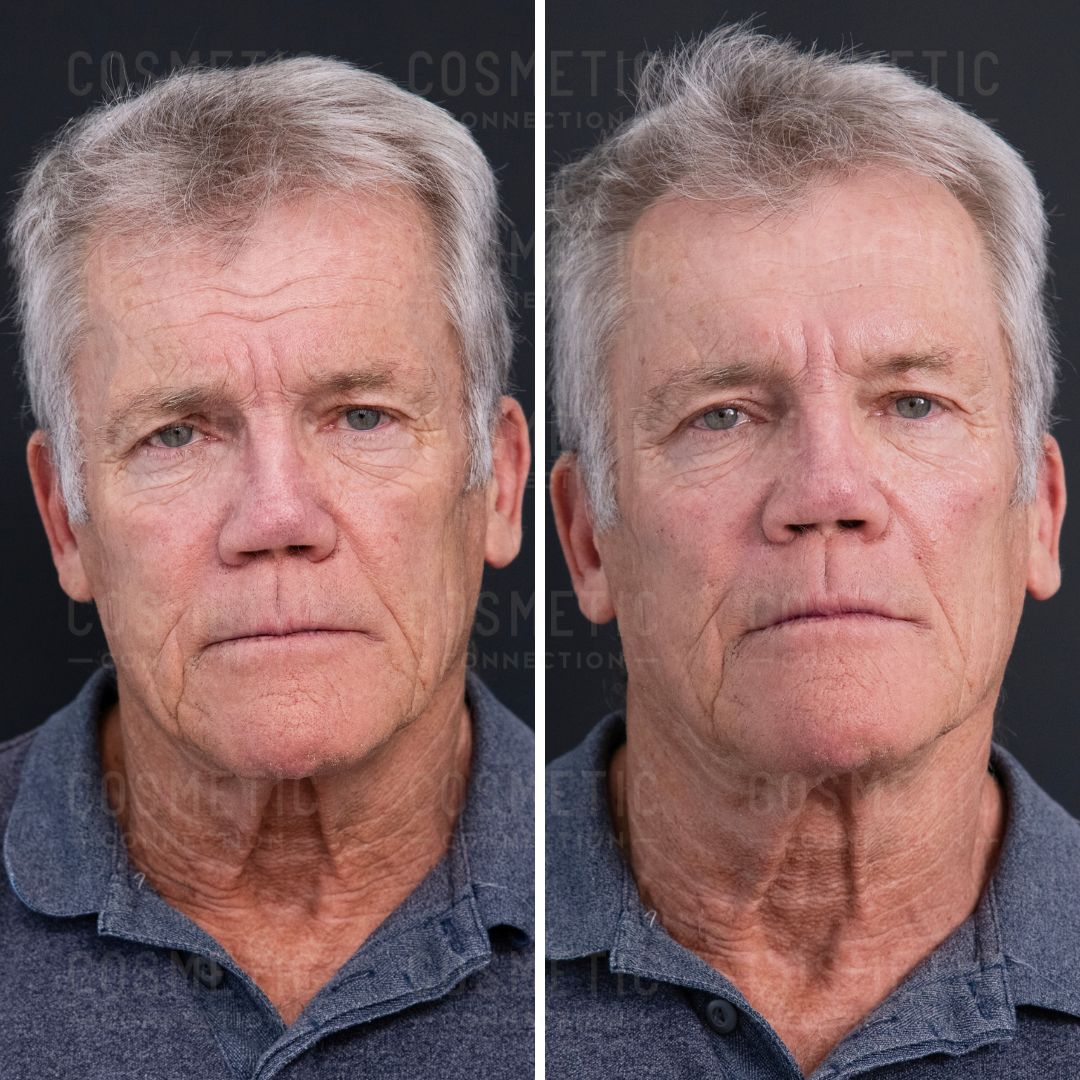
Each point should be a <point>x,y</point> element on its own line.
<point>290,723</point>
<point>289,759</point>
<point>835,709</point>
<point>291,751</point>
<point>288,740</point>
<point>812,745</point>
<point>841,734</point>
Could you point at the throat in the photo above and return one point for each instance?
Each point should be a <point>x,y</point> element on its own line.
<point>290,881</point>
<point>817,915</point>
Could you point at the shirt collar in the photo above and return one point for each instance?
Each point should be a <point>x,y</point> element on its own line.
<point>586,875</point>
<point>1022,939</point>
<point>61,843</point>
<point>64,854</point>
<point>1036,884</point>
<point>495,829</point>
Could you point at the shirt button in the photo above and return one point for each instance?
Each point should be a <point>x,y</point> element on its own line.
<point>721,1016</point>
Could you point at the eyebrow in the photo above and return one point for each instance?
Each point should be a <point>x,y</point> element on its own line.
<point>167,401</point>
<point>684,381</point>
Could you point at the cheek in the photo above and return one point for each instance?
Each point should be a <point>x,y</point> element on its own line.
<point>159,542</point>
<point>968,544</point>
<point>425,552</point>
<point>157,562</point>
<point>951,516</point>
<point>147,575</point>
<point>698,529</point>
<point>679,554</point>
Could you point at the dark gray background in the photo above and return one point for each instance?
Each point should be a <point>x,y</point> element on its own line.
<point>1013,64</point>
<point>474,59</point>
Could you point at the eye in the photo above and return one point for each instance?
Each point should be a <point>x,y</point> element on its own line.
<point>363,418</point>
<point>914,406</point>
<point>720,419</point>
<point>175,436</point>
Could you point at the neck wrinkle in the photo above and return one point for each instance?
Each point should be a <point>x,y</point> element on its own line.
<point>808,880</point>
<point>357,841</point>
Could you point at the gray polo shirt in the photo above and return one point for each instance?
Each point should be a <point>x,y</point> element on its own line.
<point>99,977</point>
<point>999,998</point>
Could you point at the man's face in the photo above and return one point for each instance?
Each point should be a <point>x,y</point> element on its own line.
<point>279,545</point>
<point>817,565</point>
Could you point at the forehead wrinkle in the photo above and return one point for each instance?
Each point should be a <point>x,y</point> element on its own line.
<point>256,319</point>
<point>329,304</point>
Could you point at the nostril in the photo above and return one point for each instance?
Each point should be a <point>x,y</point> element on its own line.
<point>850,524</point>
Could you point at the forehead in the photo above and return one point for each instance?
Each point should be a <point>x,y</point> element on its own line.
<point>874,262</point>
<point>314,280</point>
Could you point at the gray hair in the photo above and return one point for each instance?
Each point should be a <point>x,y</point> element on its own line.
<point>741,117</point>
<point>202,153</point>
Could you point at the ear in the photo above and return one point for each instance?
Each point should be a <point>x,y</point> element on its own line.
<point>510,470</point>
<point>54,516</point>
<point>578,540</point>
<point>1048,512</point>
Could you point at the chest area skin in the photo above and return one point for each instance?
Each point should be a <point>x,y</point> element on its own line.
<point>291,963</point>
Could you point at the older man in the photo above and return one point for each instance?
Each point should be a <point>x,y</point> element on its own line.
<point>804,380</point>
<point>265,343</point>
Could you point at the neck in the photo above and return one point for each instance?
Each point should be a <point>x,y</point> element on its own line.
<point>345,847</point>
<point>808,890</point>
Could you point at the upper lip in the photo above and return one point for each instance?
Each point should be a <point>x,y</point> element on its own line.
<point>276,629</point>
<point>825,607</point>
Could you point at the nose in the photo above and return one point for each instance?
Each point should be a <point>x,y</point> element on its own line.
<point>277,510</point>
<point>825,484</point>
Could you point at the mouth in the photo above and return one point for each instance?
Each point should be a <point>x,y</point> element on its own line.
<point>310,634</point>
<point>833,614</point>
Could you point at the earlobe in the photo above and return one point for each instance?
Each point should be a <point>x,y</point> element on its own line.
<point>511,454</point>
<point>63,542</point>
<point>1044,564</point>
<point>578,539</point>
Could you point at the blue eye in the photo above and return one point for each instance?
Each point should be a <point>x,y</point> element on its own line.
<point>176,436</point>
<point>914,406</point>
<point>362,419</point>
<point>721,419</point>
